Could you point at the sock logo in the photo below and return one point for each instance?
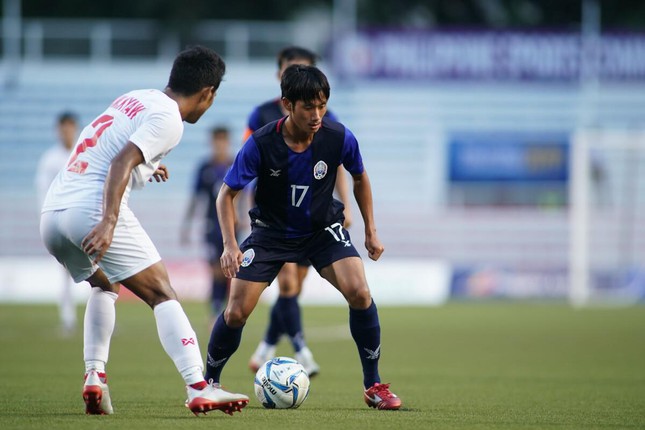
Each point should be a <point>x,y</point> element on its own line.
<point>373,355</point>
<point>215,363</point>
<point>189,341</point>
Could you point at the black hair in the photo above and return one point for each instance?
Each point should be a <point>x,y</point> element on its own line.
<point>305,83</point>
<point>219,129</point>
<point>196,68</point>
<point>67,116</point>
<point>290,53</point>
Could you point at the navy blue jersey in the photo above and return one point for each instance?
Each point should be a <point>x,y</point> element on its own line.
<point>208,182</point>
<point>270,111</point>
<point>294,194</point>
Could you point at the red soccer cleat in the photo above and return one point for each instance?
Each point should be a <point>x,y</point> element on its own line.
<point>96,394</point>
<point>379,396</point>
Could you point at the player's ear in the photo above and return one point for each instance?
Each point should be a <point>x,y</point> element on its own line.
<point>212,93</point>
<point>207,94</point>
<point>286,104</point>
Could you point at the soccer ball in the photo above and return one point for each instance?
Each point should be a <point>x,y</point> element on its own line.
<point>281,383</point>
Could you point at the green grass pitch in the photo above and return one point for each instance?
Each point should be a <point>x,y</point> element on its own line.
<point>461,366</point>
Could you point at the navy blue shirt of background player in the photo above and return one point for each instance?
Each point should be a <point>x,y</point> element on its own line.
<point>208,182</point>
<point>294,195</point>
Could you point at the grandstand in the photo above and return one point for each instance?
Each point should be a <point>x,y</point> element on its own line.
<point>405,130</point>
<point>402,130</point>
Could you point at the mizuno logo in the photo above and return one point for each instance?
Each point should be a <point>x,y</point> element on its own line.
<point>215,363</point>
<point>189,341</point>
<point>275,173</point>
<point>347,244</point>
<point>373,355</point>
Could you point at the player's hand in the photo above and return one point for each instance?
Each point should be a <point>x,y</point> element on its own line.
<point>373,246</point>
<point>160,175</point>
<point>98,240</point>
<point>230,260</point>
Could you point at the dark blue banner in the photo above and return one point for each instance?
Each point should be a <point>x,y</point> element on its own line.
<point>508,157</point>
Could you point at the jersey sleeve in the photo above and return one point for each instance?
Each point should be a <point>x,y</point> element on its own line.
<point>351,155</point>
<point>332,116</point>
<point>245,167</point>
<point>159,133</point>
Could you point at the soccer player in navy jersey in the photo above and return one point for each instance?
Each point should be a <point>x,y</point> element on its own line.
<point>208,180</point>
<point>295,161</point>
<point>285,315</point>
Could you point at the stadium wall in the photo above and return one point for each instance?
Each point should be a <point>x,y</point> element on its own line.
<point>404,130</point>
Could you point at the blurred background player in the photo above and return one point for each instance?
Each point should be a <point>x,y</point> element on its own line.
<point>87,225</point>
<point>285,315</point>
<point>209,178</point>
<point>49,165</point>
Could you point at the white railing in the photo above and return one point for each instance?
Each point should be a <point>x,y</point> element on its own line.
<point>103,40</point>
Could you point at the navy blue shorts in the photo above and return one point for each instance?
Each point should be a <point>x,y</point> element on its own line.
<point>264,256</point>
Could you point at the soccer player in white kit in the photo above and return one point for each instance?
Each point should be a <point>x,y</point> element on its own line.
<point>87,225</point>
<point>49,164</point>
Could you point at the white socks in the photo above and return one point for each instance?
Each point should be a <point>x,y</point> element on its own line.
<point>179,340</point>
<point>175,332</point>
<point>100,316</point>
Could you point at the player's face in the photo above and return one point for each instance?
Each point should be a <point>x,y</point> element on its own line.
<point>307,116</point>
<point>67,132</point>
<point>221,144</point>
<point>203,100</point>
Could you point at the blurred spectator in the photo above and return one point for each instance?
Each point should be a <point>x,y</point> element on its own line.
<point>208,180</point>
<point>49,165</point>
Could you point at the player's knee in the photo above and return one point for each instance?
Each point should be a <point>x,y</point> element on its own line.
<point>162,293</point>
<point>359,298</point>
<point>235,316</point>
<point>288,288</point>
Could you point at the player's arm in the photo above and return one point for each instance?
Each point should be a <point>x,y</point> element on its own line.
<point>363,195</point>
<point>231,256</point>
<point>184,234</point>
<point>342,188</point>
<point>99,238</point>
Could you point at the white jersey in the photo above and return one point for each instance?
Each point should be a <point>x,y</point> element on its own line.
<point>50,163</point>
<point>147,118</point>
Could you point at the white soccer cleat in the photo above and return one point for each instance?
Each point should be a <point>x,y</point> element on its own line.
<point>306,358</point>
<point>262,354</point>
<point>96,394</point>
<point>214,398</point>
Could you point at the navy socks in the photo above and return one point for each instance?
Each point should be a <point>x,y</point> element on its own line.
<point>285,318</point>
<point>223,343</point>
<point>366,331</point>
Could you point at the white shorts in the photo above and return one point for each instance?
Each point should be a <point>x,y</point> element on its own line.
<point>130,252</point>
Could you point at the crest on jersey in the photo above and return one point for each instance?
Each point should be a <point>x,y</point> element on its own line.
<point>249,255</point>
<point>320,170</point>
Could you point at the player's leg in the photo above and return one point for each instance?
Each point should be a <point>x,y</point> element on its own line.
<point>227,331</point>
<point>348,276</point>
<point>219,283</point>
<point>292,317</point>
<point>59,229</point>
<point>178,339</point>
<point>336,259</point>
<point>288,286</point>
<point>98,327</point>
